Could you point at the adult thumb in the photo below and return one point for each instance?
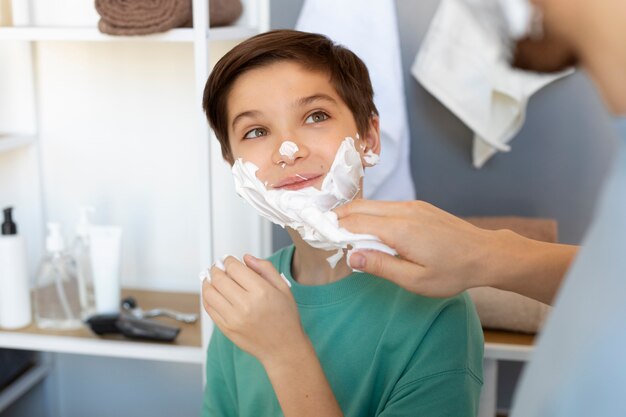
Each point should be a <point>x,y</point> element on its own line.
<point>267,271</point>
<point>383,265</point>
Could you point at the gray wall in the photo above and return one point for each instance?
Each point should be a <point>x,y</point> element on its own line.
<point>556,164</point>
<point>554,170</point>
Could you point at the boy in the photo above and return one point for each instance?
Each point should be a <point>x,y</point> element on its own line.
<point>326,341</point>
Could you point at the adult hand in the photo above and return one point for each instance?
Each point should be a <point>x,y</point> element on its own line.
<point>253,306</point>
<point>441,255</point>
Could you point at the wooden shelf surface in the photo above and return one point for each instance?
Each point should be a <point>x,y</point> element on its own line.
<point>505,345</point>
<point>186,348</point>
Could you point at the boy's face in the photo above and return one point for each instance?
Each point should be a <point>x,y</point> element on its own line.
<point>286,102</point>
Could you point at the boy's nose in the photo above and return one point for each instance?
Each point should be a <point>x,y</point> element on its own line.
<point>288,152</point>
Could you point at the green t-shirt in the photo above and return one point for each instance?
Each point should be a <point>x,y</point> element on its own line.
<point>385,352</point>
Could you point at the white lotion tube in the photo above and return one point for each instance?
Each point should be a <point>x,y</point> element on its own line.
<point>105,260</point>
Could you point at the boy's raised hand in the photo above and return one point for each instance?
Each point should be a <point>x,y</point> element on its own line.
<point>253,306</point>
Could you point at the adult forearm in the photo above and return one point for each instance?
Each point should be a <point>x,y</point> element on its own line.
<point>528,267</point>
<point>301,385</point>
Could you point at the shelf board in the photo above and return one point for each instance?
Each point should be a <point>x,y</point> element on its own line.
<point>186,348</point>
<point>10,142</point>
<point>228,33</point>
<point>90,34</point>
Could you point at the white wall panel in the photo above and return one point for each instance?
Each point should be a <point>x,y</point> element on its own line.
<point>117,133</point>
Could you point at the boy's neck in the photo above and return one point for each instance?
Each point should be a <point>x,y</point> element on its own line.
<point>309,265</point>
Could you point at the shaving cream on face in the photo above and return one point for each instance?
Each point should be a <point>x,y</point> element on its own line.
<point>371,158</point>
<point>288,149</point>
<point>308,210</point>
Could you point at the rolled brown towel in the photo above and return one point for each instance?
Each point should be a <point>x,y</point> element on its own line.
<point>143,17</point>
<point>224,12</point>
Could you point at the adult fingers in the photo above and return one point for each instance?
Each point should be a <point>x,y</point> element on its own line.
<point>376,208</point>
<point>391,230</point>
<point>406,274</point>
<point>266,270</point>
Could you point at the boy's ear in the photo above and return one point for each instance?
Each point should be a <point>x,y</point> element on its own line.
<point>372,137</point>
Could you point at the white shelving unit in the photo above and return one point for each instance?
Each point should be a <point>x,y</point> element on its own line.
<point>35,34</point>
<point>23,384</point>
<point>210,183</point>
<point>11,142</point>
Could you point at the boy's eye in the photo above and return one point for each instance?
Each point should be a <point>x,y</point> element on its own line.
<point>318,116</point>
<point>255,133</point>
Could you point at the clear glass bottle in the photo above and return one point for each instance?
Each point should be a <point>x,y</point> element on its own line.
<point>81,254</point>
<point>57,291</point>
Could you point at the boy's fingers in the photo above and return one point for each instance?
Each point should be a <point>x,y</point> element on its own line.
<point>215,316</point>
<point>241,274</point>
<point>267,271</point>
<point>213,299</point>
<point>405,274</point>
<point>226,286</point>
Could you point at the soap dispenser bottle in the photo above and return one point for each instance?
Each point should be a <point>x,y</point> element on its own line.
<point>15,310</point>
<point>80,252</point>
<point>57,292</point>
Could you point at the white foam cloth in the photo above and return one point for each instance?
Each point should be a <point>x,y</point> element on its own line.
<point>371,158</point>
<point>219,264</point>
<point>288,149</point>
<point>206,273</point>
<point>369,28</point>
<point>285,279</point>
<point>463,64</point>
<point>308,210</point>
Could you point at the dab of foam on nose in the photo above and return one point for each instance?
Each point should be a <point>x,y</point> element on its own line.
<point>288,149</point>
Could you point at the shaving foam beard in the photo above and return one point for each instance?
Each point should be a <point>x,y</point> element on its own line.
<point>308,210</point>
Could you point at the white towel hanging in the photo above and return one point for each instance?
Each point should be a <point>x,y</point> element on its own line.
<point>369,28</point>
<point>461,64</point>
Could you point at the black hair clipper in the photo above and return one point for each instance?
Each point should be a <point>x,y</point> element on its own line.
<point>132,327</point>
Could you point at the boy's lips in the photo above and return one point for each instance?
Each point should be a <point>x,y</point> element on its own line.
<point>296,182</point>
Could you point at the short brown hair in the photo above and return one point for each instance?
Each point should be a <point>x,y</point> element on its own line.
<point>348,75</point>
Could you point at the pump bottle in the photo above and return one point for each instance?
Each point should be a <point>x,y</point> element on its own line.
<point>15,307</point>
<point>57,292</point>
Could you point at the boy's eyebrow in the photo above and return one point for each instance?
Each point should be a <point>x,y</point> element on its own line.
<point>304,101</point>
<point>249,113</point>
<point>315,97</point>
